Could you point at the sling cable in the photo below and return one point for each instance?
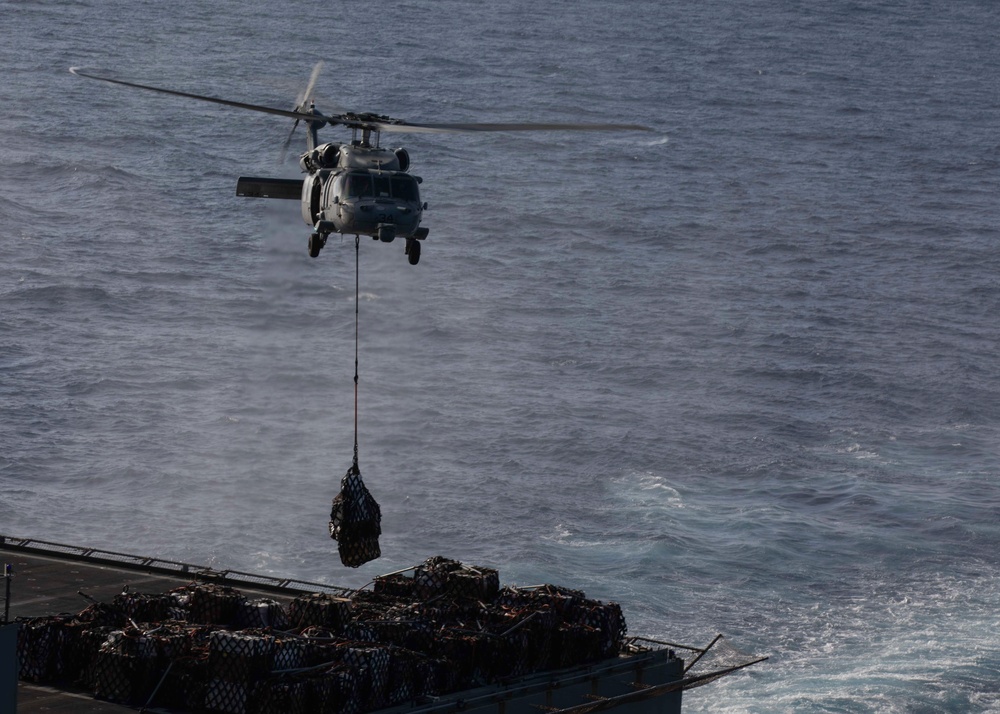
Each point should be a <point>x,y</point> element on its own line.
<point>355,519</point>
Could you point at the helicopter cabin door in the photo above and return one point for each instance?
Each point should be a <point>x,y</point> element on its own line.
<point>312,190</point>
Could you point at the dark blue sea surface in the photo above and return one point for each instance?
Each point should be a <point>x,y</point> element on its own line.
<point>739,374</point>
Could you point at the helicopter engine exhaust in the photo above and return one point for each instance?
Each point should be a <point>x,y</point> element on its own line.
<point>326,156</point>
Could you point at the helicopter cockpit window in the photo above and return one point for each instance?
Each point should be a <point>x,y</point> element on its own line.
<point>404,189</point>
<point>381,186</point>
<point>359,185</point>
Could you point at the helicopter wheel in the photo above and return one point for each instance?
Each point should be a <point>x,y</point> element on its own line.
<point>413,250</point>
<point>316,243</point>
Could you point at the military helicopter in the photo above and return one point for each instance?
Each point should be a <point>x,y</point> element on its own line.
<point>357,187</point>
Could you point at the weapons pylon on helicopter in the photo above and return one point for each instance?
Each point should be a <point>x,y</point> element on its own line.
<point>356,187</point>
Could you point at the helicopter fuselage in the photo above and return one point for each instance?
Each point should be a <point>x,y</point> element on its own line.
<point>361,190</point>
<point>352,189</point>
<point>381,204</point>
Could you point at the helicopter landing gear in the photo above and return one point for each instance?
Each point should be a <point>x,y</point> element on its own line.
<point>413,250</point>
<point>317,239</point>
<point>316,243</point>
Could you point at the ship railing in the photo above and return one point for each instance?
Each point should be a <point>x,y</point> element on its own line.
<point>169,567</point>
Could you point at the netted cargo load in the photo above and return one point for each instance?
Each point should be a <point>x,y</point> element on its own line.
<point>239,656</point>
<point>290,653</point>
<point>319,610</point>
<point>332,690</point>
<point>561,600</point>
<point>355,521</point>
<point>437,676</point>
<point>367,605</point>
<point>186,683</point>
<point>370,666</point>
<point>403,685</point>
<point>512,655</point>
<point>101,614</point>
<point>237,662</point>
<point>608,620</point>
<point>84,641</point>
<point>535,635</point>
<point>463,652</point>
<point>210,603</point>
<point>281,695</point>
<point>395,585</point>
<point>126,667</point>
<point>58,648</point>
<point>321,646</point>
<point>441,576</point>
<point>223,695</point>
<point>144,607</point>
<point>571,607</point>
<point>315,633</point>
<point>458,612</point>
<point>42,648</point>
<point>577,644</point>
<point>412,634</point>
<point>261,613</point>
<point>123,678</point>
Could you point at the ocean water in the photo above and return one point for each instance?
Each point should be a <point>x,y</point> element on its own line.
<point>739,374</point>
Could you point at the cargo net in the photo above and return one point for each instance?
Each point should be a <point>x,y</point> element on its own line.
<point>355,521</point>
<point>434,629</point>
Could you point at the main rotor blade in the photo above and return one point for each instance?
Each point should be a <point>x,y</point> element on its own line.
<point>308,93</point>
<point>361,121</point>
<point>288,139</point>
<point>406,127</point>
<point>203,98</point>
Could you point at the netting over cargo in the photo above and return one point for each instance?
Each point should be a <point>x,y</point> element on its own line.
<point>355,521</point>
<point>444,628</point>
